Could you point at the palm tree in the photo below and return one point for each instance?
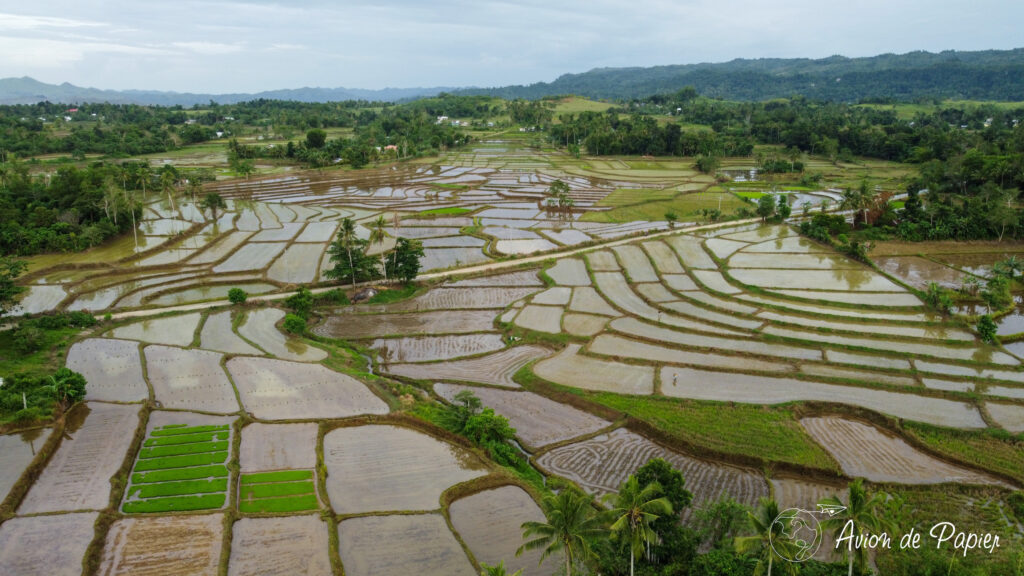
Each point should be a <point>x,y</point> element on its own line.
<point>167,183</point>
<point>213,201</point>
<point>144,175</point>
<point>763,540</point>
<point>571,522</point>
<point>861,511</point>
<point>347,235</point>
<point>498,570</point>
<point>377,236</point>
<point>634,510</point>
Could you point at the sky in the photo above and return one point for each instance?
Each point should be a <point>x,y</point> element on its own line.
<point>249,46</point>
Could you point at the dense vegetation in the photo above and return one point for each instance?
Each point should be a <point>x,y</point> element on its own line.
<point>990,74</point>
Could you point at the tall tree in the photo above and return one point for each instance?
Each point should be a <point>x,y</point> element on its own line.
<point>571,523</point>
<point>408,254</point>
<point>634,511</point>
<point>377,236</point>
<point>862,513</point>
<point>346,239</point>
<point>10,269</point>
<point>766,535</point>
<point>213,202</point>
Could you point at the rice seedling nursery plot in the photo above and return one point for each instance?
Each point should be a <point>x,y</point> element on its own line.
<point>182,465</point>
<point>290,491</point>
<point>77,477</point>
<point>400,545</point>
<point>864,451</point>
<point>280,390</point>
<point>489,523</point>
<point>381,467</point>
<point>292,545</point>
<point>46,545</point>
<point>163,545</point>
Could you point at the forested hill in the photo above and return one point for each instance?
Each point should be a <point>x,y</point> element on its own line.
<point>27,90</point>
<point>983,75</point>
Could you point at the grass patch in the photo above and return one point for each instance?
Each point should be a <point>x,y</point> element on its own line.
<point>449,211</point>
<point>756,431</point>
<point>394,294</point>
<point>44,361</point>
<point>282,476</point>
<point>182,488</point>
<point>292,504</point>
<point>181,449</point>
<point>176,504</point>
<point>991,450</point>
<point>629,196</point>
<point>752,194</point>
<point>276,489</point>
<point>195,473</point>
<point>181,461</point>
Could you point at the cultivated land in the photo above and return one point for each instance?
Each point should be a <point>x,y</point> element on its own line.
<point>755,361</point>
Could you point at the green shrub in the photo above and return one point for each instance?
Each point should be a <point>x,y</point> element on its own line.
<point>301,303</point>
<point>237,296</point>
<point>294,324</point>
<point>987,329</point>
<point>28,339</point>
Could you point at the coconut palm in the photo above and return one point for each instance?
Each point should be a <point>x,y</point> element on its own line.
<point>634,510</point>
<point>377,235</point>
<point>862,511</point>
<point>213,201</point>
<point>764,540</point>
<point>571,522</point>
<point>347,235</point>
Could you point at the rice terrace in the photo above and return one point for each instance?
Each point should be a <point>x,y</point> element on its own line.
<point>397,343</point>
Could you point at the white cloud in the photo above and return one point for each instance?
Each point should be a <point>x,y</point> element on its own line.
<point>209,48</point>
<point>12,22</point>
<point>25,54</point>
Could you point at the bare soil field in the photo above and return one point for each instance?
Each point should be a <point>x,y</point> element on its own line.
<point>189,379</point>
<point>284,546</point>
<point>407,324</point>
<point>377,468</point>
<point>427,349</point>
<point>158,546</point>
<point>278,447</point>
<point>112,368</point>
<point>16,453</point>
<point>570,368</point>
<point>489,523</point>
<point>281,390</point>
<point>78,475</point>
<point>46,545</point>
<point>401,545</point>
<point>172,331</point>
<point>496,369</point>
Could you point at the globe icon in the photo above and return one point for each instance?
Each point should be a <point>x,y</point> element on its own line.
<point>795,535</point>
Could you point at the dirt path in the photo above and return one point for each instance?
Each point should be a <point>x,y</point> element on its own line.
<point>490,267</point>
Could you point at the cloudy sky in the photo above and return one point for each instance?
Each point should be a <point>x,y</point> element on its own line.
<point>248,46</point>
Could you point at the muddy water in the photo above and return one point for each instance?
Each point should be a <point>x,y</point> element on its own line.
<point>16,452</point>
<point>173,331</point>
<point>209,293</point>
<point>377,468</point>
<point>113,369</point>
<point>427,349</point>
<point>189,379</point>
<point>401,545</point>
<point>297,545</point>
<point>919,272</point>
<point>218,335</point>
<point>278,447</point>
<point>497,368</point>
<point>50,545</point>
<point>428,323</point>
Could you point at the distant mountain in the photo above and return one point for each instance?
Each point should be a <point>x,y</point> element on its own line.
<point>983,75</point>
<point>29,91</point>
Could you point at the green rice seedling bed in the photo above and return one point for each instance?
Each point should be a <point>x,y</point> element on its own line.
<point>183,488</point>
<point>178,430</point>
<point>287,504</point>
<point>180,461</point>
<point>281,476</point>
<point>187,439</point>
<point>194,473</point>
<point>181,449</point>
<point>176,504</point>
<point>275,489</point>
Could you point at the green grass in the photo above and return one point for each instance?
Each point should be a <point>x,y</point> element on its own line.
<point>629,196</point>
<point>986,449</point>
<point>167,462</point>
<point>180,449</point>
<point>389,296</point>
<point>176,504</point>
<point>449,211</point>
<point>176,430</point>
<point>758,431</point>
<point>215,471</point>
<point>187,439</point>
<point>182,488</point>
<point>275,489</point>
<point>44,361</point>
<point>449,186</point>
<point>575,105</point>
<point>282,476</point>
<point>289,504</point>
<point>749,194</point>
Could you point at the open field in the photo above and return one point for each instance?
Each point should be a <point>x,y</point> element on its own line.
<point>496,369</point>
<point>296,545</point>
<point>112,368</point>
<point>400,545</point>
<point>163,545</point>
<point>46,545</point>
<point>489,522</point>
